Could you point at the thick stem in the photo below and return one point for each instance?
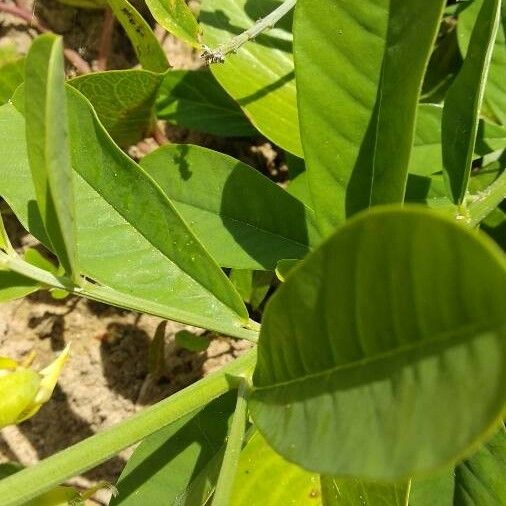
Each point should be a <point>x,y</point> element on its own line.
<point>72,56</point>
<point>225,483</point>
<point>18,488</point>
<point>218,55</point>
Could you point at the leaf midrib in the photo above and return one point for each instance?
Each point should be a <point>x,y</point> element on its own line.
<point>470,331</point>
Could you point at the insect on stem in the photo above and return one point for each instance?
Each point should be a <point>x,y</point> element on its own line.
<point>218,54</point>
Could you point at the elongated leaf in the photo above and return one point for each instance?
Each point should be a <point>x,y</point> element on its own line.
<point>389,343</point>
<point>426,157</point>
<point>146,46</point>
<point>356,144</point>
<point>123,100</point>
<point>495,90</point>
<point>351,492</point>
<point>48,146</point>
<point>111,250</point>
<point>194,99</point>
<point>245,220</point>
<point>261,75</point>
<point>173,463</point>
<point>263,477</point>
<point>463,103</point>
<point>176,17</point>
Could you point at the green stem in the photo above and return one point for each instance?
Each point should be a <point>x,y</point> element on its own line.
<point>231,46</point>
<point>18,488</point>
<point>119,299</point>
<point>233,451</point>
<point>483,203</point>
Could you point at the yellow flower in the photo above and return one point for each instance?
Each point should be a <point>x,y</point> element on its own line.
<point>23,390</point>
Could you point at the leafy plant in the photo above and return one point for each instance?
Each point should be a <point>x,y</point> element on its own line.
<point>378,361</point>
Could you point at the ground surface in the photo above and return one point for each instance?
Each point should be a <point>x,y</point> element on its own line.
<point>106,379</point>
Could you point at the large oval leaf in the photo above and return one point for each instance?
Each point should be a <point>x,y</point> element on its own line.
<point>356,142</point>
<point>383,355</point>
<point>245,220</point>
<point>261,75</point>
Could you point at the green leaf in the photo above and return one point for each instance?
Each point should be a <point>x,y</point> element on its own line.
<point>177,18</point>
<point>146,46</point>
<point>15,286</point>
<point>356,144</point>
<point>477,481</point>
<point>192,342</point>
<point>5,243</point>
<point>12,74</point>
<point>426,157</point>
<point>463,102</point>
<point>244,220</point>
<point>261,75</point>
<point>48,146</point>
<point>389,336</point>
<point>264,477</point>
<point>495,90</point>
<point>174,462</point>
<point>353,492</point>
<point>124,255</point>
<point>194,99</point>
<point>123,100</point>
<point>284,267</point>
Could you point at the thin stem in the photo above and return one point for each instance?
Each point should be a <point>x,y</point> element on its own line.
<point>105,39</point>
<point>225,483</point>
<point>72,56</point>
<point>231,46</point>
<point>483,203</point>
<point>20,487</point>
<point>124,300</point>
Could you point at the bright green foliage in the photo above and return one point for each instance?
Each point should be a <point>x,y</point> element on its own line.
<point>49,150</point>
<point>176,17</point>
<point>356,144</point>
<point>382,338</point>
<point>261,75</point>
<point>495,91</point>
<point>463,102</point>
<point>108,257</point>
<point>147,48</point>
<point>180,462</point>
<point>264,477</point>
<point>194,99</point>
<point>381,359</point>
<point>123,100</point>
<point>244,220</point>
